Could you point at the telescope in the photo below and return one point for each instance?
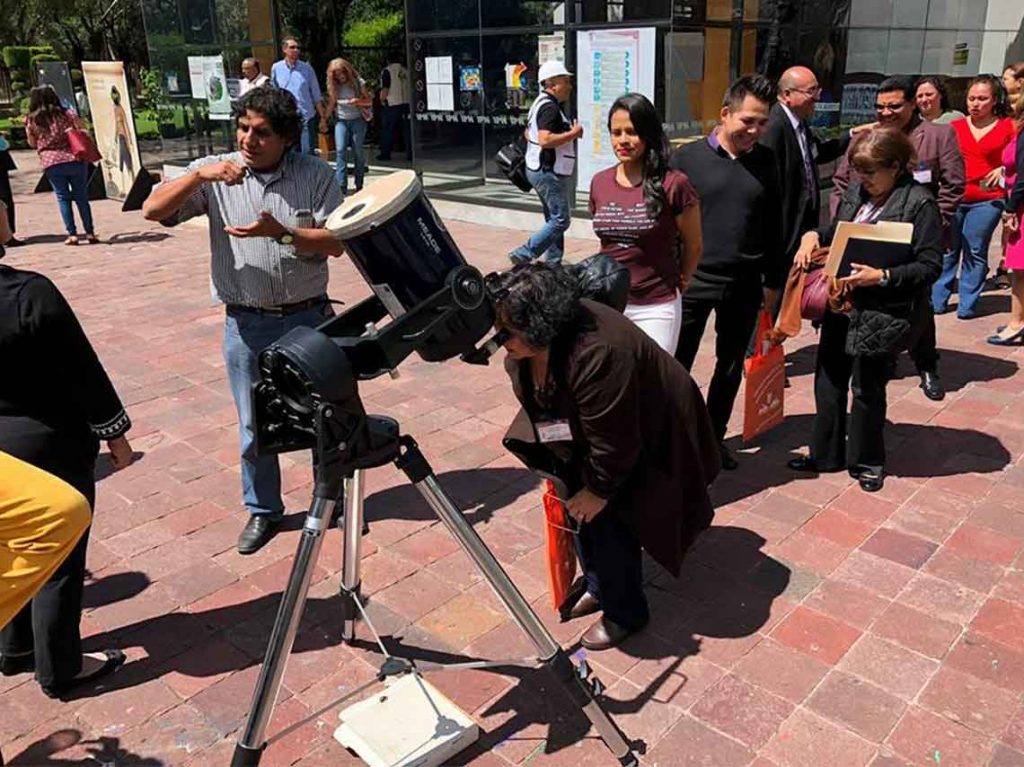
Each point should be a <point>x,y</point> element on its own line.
<point>429,301</point>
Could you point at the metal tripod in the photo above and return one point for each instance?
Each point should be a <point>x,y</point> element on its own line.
<point>403,451</point>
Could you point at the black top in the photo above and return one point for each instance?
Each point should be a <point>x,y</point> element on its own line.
<point>800,205</point>
<point>550,118</point>
<point>912,203</point>
<point>740,215</point>
<point>56,400</point>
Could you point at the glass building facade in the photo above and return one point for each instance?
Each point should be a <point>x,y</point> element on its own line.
<point>700,45</point>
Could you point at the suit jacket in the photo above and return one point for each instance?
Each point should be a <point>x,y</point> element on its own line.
<point>641,434</point>
<point>800,205</point>
<point>938,154</point>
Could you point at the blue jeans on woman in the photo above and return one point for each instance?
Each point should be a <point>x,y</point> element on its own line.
<point>972,228</point>
<point>70,181</point>
<point>553,191</point>
<point>350,133</point>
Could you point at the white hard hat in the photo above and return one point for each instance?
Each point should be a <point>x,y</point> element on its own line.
<point>551,69</point>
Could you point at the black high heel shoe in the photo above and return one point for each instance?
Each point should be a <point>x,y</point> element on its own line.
<point>114,660</point>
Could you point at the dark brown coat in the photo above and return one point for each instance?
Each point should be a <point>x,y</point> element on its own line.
<point>641,435</point>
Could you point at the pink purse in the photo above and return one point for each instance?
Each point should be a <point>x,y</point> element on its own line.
<point>82,146</point>
<point>814,299</point>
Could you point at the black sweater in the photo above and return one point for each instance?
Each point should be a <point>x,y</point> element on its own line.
<point>741,214</point>
<point>56,401</point>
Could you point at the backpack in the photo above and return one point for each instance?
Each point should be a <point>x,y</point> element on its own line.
<point>511,161</point>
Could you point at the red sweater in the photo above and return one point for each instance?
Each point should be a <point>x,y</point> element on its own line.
<point>981,157</point>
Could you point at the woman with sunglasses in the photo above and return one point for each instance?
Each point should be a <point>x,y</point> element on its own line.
<point>873,304</point>
<point>982,136</point>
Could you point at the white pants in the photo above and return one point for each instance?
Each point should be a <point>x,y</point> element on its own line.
<point>660,321</point>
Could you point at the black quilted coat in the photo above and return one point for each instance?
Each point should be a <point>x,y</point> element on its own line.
<point>886,308</point>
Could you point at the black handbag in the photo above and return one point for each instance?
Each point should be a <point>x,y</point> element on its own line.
<point>603,279</point>
<point>873,333</point>
<point>511,161</point>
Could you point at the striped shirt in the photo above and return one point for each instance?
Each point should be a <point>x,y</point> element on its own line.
<point>257,271</point>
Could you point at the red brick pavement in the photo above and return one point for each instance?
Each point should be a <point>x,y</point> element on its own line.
<point>814,625</point>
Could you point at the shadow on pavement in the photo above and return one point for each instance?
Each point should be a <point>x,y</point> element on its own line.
<point>104,750</point>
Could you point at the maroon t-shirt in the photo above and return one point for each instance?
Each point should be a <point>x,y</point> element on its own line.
<point>648,247</point>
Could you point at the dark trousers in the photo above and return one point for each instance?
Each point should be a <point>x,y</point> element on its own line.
<point>392,120</point>
<point>5,193</point>
<point>736,311</point>
<point>856,442</point>
<point>611,559</point>
<point>923,349</point>
<point>48,626</point>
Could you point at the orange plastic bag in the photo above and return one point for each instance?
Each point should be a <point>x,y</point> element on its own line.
<point>766,379</point>
<point>561,548</point>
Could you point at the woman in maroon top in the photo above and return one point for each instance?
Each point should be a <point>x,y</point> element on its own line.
<point>46,128</point>
<point>982,135</point>
<point>642,210</point>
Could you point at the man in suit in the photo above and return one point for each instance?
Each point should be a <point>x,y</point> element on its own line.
<point>798,152</point>
<point>940,167</point>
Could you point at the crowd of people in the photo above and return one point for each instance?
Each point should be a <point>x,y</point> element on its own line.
<point>715,225</point>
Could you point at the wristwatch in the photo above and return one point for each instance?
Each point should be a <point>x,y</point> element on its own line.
<point>287,238</point>
<point>885,278</point>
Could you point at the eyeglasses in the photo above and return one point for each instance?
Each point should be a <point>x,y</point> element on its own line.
<point>890,107</point>
<point>812,92</point>
<point>295,47</point>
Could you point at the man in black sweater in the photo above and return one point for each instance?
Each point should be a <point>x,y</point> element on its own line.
<point>742,266</point>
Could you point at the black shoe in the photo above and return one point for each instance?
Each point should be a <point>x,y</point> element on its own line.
<point>729,462</point>
<point>257,533</point>
<point>114,660</point>
<point>870,482</point>
<point>932,386</point>
<point>17,664</point>
<point>802,463</point>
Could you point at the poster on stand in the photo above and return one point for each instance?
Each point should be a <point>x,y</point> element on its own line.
<point>216,87</point>
<point>113,125</point>
<point>611,62</point>
<point>56,75</point>
<point>196,81</point>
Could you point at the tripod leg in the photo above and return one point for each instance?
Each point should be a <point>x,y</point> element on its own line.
<point>249,748</point>
<point>582,690</point>
<point>351,555</point>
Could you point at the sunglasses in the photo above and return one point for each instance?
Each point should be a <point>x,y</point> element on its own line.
<point>890,107</point>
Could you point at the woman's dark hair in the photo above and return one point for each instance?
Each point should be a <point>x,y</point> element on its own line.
<point>883,148</point>
<point>278,106</point>
<point>1001,108</point>
<point>44,106</point>
<point>939,84</point>
<point>647,124</point>
<point>539,302</point>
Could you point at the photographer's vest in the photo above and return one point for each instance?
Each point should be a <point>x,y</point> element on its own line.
<point>565,155</point>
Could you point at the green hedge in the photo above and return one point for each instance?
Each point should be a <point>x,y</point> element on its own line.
<point>43,57</point>
<point>17,56</point>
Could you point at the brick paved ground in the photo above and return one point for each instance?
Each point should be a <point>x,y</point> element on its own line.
<point>814,625</point>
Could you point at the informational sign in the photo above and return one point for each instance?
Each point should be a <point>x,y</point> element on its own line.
<point>440,84</point>
<point>961,53</point>
<point>216,88</point>
<point>858,103</point>
<point>196,80</point>
<point>55,74</point>
<point>551,47</point>
<point>611,62</point>
<point>113,124</point>
<point>471,79</point>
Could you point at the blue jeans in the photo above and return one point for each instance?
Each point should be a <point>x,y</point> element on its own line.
<point>70,181</point>
<point>307,139</point>
<point>246,334</point>
<point>350,133</point>
<point>553,191</point>
<point>972,227</point>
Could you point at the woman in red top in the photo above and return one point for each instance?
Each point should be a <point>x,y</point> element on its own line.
<point>46,128</point>
<point>642,210</point>
<point>982,135</point>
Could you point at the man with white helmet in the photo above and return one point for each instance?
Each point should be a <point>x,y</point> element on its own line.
<point>550,160</point>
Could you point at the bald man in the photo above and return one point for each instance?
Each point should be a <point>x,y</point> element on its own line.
<point>252,77</point>
<point>798,152</point>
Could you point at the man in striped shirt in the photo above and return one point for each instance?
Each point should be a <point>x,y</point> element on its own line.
<point>267,208</point>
